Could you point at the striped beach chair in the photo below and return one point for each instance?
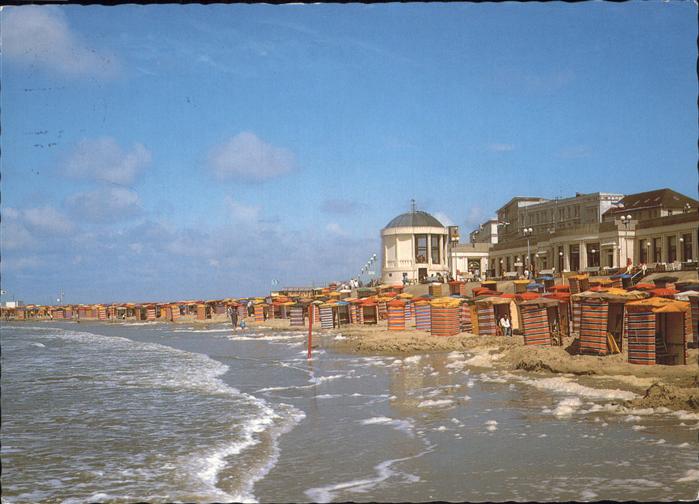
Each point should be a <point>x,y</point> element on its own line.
<point>487,325</point>
<point>641,337</point>
<point>326,317</point>
<point>693,333</point>
<point>422,316</point>
<point>535,325</point>
<point>444,321</point>
<point>396,315</point>
<point>593,326</point>
<point>465,321</point>
<point>296,316</point>
<point>259,312</point>
<point>576,314</point>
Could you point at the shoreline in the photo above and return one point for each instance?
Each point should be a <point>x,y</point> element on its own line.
<point>657,386</point>
<point>672,387</point>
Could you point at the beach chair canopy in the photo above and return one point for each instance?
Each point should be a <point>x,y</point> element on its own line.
<point>686,295</point>
<point>659,305</point>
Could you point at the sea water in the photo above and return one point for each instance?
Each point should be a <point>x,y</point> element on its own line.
<point>156,412</point>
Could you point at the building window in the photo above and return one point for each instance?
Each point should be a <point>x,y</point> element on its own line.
<point>507,263</point>
<point>644,248</point>
<point>656,249</point>
<point>610,257</point>
<point>421,248</point>
<point>687,247</point>
<point>671,249</point>
<point>434,253</point>
<point>592,250</point>
<point>574,252</point>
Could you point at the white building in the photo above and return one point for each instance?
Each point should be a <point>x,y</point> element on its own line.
<point>413,246</point>
<point>469,260</point>
<point>486,233</point>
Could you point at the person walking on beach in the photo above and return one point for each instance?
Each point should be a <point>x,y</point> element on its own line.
<point>233,314</point>
<point>505,325</point>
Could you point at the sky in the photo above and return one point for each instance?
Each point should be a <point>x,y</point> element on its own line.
<point>167,152</point>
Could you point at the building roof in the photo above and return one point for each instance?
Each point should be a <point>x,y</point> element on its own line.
<point>471,247</point>
<point>414,219</point>
<point>520,199</point>
<point>663,198</point>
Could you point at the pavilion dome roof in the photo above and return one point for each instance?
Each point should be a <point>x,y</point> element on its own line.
<point>414,219</point>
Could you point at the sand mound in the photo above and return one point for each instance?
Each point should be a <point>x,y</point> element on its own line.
<point>668,396</point>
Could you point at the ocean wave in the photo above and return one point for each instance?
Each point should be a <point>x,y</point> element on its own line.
<point>565,385</point>
<point>384,471</point>
<point>405,426</point>
<point>435,403</point>
<point>230,329</point>
<point>193,384</point>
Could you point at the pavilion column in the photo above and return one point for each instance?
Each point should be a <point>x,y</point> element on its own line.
<point>413,260</point>
<point>429,249</point>
<point>582,247</point>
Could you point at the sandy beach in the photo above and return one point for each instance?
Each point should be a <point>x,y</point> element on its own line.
<point>673,387</point>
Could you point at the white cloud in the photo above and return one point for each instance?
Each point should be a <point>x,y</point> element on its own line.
<point>136,247</point>
<point>15,235</point>
<point>112,203</point>
<point>443,218</point>
<point>335,229</point>
<point>21,263</point>
<point>500,147</point>
<point>40,35</point>
<point>103,159</point>
<point>27,229</point>
<point>246,157</point>
<point>47,219</point>
<point>241,211</point>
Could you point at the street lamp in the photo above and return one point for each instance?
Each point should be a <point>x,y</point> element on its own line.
<point>592,251</point>
<point>626,221</point>
<point>528,232</point>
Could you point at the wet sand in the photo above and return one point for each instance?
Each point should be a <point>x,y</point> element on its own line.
<point>673,387</point>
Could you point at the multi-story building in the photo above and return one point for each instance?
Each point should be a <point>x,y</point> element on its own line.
<point>650,205</point>
<point>587,232</point>
<point>486,233</point>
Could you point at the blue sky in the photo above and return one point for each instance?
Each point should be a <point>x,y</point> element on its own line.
<point>166,152</point>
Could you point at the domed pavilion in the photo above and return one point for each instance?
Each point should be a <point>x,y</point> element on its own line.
<point>413,246</point>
